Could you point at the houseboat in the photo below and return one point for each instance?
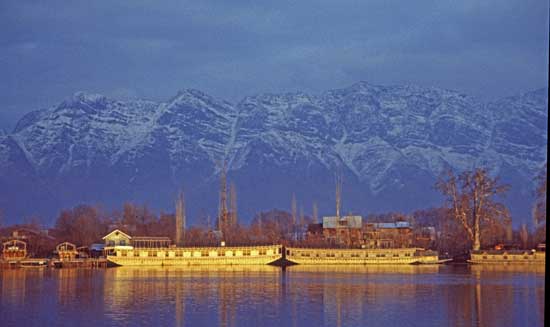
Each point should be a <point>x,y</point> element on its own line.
<point>510,257</point>
<point>324,256</point>
<point>124,250</point>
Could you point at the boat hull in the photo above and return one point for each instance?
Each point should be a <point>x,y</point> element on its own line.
<point>260,255</point>
<point>319,256</point>
<point>508,258</point>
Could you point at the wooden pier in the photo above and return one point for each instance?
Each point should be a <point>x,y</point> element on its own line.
<point>54,263</point>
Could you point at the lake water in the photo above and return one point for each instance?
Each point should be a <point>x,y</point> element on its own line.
<point>268,296</point>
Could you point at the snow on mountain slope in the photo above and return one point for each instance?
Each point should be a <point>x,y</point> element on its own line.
<point>388,140</point>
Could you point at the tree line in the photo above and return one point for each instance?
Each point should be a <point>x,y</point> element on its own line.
<point>471,218</point>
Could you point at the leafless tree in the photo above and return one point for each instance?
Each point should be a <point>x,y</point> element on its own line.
<point>315,213</point>
<point>524,235</point>
<point>471,197</point>
<point>540,204</point>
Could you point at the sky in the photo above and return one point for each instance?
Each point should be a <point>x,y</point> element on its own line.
<point>230,49</point>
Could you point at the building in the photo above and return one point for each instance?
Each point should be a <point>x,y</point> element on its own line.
<point>343,231</point>
<point>66,251</point>
<point>120,239</point>
<point>425,237</point>
<point>117,238</point>
<point>387,235</point>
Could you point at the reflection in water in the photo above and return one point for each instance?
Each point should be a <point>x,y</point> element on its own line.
<point>269,296</point>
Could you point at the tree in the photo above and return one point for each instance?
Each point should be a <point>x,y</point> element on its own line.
<point>524,235</point>
<point>539,211</point>
<point>470,195</point>
<point>315,213</point>
<point>82,225</point>
<point>294,213</point>
<point>180,214</point>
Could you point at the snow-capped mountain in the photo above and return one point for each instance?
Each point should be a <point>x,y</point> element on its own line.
<point>391,142</point>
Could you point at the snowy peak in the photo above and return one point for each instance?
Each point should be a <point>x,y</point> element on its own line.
<point>384,138</point>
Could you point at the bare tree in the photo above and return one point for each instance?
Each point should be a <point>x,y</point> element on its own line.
<point>339,182</point>
<point>539,211</point>
<point>233,204</point>
<point>180,216</point>
<point>294,215</point>
<point>315,213</point>
<point>470,196</point>
<point>524,235</point>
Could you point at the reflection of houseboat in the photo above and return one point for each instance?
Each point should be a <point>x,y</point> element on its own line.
<point>508,257</point>
<point>124,250</point>
<point>362,256</point>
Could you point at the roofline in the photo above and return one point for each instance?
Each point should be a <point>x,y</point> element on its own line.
<point>116,230</point>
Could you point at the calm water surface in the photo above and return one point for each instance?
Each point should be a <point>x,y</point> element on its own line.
<point>268,296</point>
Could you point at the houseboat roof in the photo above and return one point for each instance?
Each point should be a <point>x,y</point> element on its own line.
<point>150,238</point>
<point>116,232</point>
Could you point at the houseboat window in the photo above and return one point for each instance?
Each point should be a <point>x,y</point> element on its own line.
<point>505,257</point>
<point>263,252</point>
<point>123,253</point>
<point>396,255</point>
<point>204,253</point>
<point>407,254</point>
<point>246,252</point>
<point>380,255</point>
<point>122,242</point>
<point>484,257</point>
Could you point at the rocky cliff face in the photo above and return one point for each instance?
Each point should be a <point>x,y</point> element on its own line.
<point>391,142</point>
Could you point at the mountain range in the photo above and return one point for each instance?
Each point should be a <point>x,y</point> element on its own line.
<point>390,143</point>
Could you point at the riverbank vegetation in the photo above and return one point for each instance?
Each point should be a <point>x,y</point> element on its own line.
<point>471,218</point>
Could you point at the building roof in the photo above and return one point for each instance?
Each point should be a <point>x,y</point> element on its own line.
<point>116,232</point>
<point>150,238</point>
<point>397,224</point>
<point>343,222</point>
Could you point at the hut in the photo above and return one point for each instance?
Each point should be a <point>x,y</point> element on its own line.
<point>83,252</point>
<point>117,238</point>
<point>66,251</point>
<point>14,250</point>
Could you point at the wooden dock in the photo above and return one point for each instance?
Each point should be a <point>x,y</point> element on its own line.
<point>54,263</point>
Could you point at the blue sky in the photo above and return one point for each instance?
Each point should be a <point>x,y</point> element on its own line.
<point>230,49</point>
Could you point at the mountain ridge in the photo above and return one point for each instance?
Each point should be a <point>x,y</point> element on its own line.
<point>386,138</point>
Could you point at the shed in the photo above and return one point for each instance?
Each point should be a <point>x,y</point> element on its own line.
<point>66,251</point>
<point>14,250</point>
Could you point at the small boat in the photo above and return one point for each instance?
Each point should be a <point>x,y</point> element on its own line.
<point>34,263</point>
